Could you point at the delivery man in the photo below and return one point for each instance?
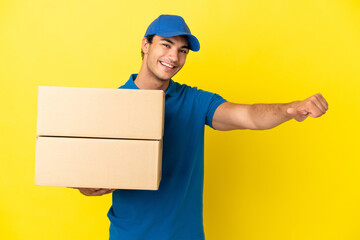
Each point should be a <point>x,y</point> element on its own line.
<point>174,212</point>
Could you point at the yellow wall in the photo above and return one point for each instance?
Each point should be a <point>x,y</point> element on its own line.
<point>298,181</point>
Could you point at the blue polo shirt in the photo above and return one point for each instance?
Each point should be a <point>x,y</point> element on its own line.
<point>175,211</point>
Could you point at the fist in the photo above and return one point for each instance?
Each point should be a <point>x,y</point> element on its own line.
<point>314,106</point>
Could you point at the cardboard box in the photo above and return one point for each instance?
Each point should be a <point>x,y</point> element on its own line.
<point>99,138</point>
<point>98,163</point>
<point>100,112</point>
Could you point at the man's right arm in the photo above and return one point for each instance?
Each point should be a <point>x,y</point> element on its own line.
<point>231,116</point>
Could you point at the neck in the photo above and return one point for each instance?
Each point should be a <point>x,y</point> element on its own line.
<point>147,80</point>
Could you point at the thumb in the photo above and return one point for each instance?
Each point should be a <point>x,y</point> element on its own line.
<point>292,111</point>
<point>298,114</point>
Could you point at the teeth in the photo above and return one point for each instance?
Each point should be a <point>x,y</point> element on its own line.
<point>165,64</point>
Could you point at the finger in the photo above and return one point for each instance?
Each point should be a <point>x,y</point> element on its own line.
<point>313,109</point>
<point>88,191</point>
<point>292,111</point>
<point>302,114</point>
<point>101,192</point>
<point>313,104</point>
<point>108,191</point>
<point>298,114</point>
<point>318,106</point>
<point>85,191</point>
<point>98,192</point>
<point>295,112</point>
<point>320,102</point>
<point>323,101</point>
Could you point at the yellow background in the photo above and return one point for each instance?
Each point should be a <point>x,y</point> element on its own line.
<point>298,181</point>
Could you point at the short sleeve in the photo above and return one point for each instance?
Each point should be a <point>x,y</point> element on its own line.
<point>215,101</point>
<point>208,102</point>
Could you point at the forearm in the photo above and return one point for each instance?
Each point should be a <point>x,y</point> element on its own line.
<point>232,116</point>
<point>267,116</point>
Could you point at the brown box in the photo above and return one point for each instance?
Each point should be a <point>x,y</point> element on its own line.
<point>100,112</point>
<point>99,138</point>
<point>98,163</point>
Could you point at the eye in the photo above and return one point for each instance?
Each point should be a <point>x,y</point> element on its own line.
<point>166,45</point>
<point>184,51</point>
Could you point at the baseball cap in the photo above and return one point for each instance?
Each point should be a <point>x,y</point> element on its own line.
<point>171,26</point>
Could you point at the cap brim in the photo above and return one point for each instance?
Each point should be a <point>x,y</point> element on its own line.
<point>193,41</point>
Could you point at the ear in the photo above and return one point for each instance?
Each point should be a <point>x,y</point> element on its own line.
<point>145,45</point>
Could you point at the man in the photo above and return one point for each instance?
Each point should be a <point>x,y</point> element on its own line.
<point>174,212</point>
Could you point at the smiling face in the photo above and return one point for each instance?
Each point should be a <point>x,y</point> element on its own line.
<point>165,56</point>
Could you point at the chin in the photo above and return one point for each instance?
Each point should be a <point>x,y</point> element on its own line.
<point>165,77</point>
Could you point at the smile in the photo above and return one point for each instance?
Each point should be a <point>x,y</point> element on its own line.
<point>167,65</point>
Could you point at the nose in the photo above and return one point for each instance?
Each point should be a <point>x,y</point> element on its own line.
<point>173,55</point>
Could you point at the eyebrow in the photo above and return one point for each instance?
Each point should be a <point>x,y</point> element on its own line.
<point>171,42</point>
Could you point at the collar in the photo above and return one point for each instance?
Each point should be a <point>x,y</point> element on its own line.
<point>171,91</point>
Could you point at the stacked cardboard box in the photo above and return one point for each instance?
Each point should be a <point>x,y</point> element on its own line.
<point>99,138</point>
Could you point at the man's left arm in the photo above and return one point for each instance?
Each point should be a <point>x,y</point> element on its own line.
<point>231,116</point>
